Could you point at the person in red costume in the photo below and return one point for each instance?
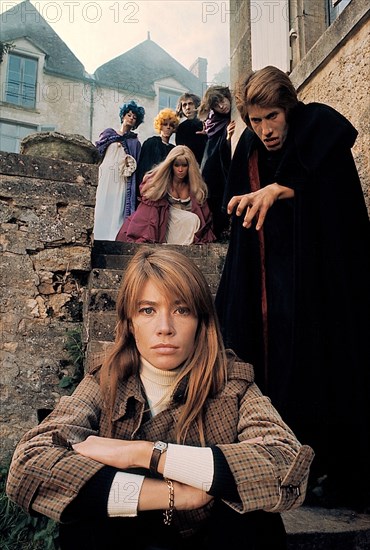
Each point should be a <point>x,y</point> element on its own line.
<point>173,207</point>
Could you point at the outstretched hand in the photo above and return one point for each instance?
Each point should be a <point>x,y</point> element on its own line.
<point>257,204</point>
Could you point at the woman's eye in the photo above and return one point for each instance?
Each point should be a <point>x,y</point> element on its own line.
<point>183,310</point>
<point>146,310</point>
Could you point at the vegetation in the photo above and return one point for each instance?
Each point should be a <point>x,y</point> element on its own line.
<point>74,347</point>
<point>18,530</point>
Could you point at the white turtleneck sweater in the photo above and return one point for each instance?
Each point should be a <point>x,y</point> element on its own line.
<point>190,465</point>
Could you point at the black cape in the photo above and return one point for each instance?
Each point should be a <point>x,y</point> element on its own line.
<point>317,276</point>
<point>186,134</point>
<point>153,152</point>
<point>214,168</point>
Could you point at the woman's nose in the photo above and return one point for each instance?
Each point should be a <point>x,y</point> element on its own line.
<point>165,324</point>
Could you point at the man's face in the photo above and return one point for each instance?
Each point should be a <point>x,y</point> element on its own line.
<point>222,106</point>
<point>270,125</point>
<point>188,108</point>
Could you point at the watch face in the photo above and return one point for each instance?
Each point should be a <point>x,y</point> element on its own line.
<point>160,445</point>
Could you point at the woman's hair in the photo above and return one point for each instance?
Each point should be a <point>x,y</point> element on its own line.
<point>212,96</point>
<point>161,176</point>
<point>134,108</point>
<point>204,371</point>
<point>166,114</point>
<point>184,97</point>
<point>267,87</point>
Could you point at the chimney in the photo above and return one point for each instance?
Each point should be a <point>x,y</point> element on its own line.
<point>199,69</point>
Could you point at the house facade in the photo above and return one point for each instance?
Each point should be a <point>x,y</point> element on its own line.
<point>44,87</point>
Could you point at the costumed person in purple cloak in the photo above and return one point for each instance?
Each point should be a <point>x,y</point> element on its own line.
<point>116,192</point>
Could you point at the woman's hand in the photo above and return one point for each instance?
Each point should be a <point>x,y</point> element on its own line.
<point>258,203</point>
<point>118,453</point>
<point>154,496</point>
<point>189,498</point>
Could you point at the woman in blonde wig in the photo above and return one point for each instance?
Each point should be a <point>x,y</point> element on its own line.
<point>173,207</point>
<point>168,444</point>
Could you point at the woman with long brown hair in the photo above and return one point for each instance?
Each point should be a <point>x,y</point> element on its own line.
<point>169,443</point>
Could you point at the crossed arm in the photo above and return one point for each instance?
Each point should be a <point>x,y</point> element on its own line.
<point>124,455</point>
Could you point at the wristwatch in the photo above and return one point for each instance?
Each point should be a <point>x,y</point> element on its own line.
<point>159,447</point>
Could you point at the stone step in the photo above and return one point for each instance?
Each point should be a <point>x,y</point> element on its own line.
<point>316,528</point>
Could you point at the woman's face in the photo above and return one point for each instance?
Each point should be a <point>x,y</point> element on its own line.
<point>222,106</point>
<point>129,120</point>
<point>164,329</point>
<point>167,128</point>
<point>180,168</point>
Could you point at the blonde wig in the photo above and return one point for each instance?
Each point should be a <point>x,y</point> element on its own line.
<point>166,114</point>
<point>161,176</point>
<point>212,96</point>
<point>177,277</point>
<point>267,87</point>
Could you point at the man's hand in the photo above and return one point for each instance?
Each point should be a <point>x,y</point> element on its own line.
<point>258,203</point>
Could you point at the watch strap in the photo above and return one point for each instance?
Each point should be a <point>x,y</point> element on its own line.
<point>154,459</point>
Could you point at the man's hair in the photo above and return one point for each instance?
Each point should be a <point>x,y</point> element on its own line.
<point>165,114</point>
<point>134,108</point>
<point>267,87</point>
<point>184,97</point>
<point>211,97</point>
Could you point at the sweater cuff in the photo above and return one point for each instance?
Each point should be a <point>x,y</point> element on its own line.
<point>190,465</point>
<point>124,495</point>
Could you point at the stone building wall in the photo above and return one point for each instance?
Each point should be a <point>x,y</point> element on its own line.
<point>46,220</point>
<point>336,72</point>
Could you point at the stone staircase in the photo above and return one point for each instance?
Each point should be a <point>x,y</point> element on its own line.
<point>308,528</point>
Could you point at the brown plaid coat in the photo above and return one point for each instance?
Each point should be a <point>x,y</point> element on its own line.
<point>46,475</point>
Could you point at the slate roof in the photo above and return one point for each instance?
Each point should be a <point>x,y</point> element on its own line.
<point>137,70</point>
<point>24,21</point>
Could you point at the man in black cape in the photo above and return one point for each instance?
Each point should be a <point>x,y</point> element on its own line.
<point>294,294</point>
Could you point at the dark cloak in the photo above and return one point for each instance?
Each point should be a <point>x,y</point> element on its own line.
<point>214,168</point>
<point>316,364</point>
<point>186,134</point>
<point>153,152</point>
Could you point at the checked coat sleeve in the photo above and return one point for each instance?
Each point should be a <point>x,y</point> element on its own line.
<point>270,474</point>
<point>46,474</point>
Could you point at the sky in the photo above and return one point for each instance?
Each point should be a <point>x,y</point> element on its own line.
<point>98,31</point>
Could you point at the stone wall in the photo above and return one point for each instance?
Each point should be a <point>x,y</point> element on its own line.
<point>52,284</point>
<point>336,72</point>
<point>46,220</point>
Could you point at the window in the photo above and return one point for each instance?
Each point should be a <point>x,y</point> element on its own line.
<point>168,99</point>
<point>11,135</point>
<point>21,81</point>
<point>335,7</point>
